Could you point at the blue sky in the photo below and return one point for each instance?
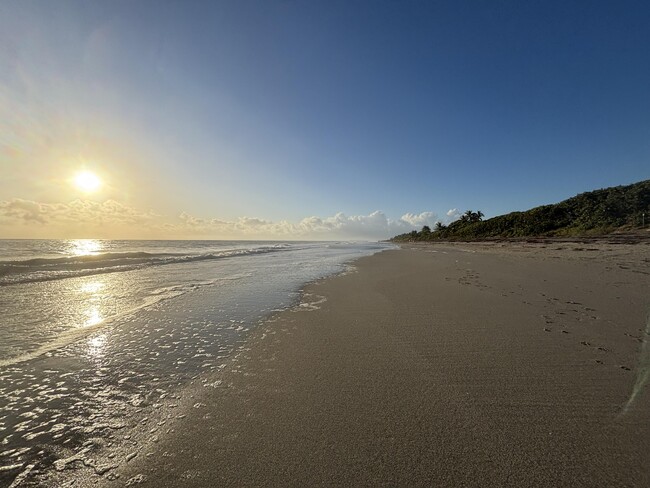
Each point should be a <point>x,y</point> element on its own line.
<point>284,111</point>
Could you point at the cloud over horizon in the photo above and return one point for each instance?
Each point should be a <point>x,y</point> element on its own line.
<point>82,211</point>
<point>375,225</point>
<point>28,218</point>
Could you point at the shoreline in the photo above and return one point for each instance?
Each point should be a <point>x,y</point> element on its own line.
<point>123,387</point>
<point>432,364</point>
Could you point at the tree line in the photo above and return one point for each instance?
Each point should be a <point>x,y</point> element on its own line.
<point>596,212</point>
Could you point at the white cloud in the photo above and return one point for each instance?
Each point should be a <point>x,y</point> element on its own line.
<point>115,219</point>
<point>425,218</point>
<point>79,211</point>
<point>453,214</point>
<point>79,218</point>
<point>375,225</point>
<point>23,210</point>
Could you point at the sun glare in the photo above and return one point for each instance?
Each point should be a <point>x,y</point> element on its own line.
<point>87,182</point>
<point>84,247</point>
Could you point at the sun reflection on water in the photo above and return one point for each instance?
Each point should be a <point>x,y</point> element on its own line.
<point>94,317</point>
<point>96,346</point>
<point>93,287</point>
<point>90,305</point>
<point>84,247</point>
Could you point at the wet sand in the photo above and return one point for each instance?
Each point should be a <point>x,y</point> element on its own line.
<point>434,365</point>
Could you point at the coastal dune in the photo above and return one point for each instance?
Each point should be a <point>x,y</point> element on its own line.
<point>433,365</point>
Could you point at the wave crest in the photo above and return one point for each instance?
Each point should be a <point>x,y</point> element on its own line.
<point>47,269</point>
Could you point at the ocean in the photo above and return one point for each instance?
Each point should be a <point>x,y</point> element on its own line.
<point>95,334</point>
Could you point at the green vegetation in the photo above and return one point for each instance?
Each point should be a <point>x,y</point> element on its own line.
<point>594,212</point>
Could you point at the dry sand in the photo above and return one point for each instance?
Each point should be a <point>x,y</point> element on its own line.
<point>435,365</point>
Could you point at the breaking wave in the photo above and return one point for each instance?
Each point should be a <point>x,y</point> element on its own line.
<point>47,269</point>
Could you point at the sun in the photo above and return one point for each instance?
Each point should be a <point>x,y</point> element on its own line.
<point>87,181</point>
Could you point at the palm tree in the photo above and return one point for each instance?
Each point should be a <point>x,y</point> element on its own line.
<point>471,216</point>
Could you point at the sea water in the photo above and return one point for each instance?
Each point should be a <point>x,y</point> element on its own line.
<point>94,331</point>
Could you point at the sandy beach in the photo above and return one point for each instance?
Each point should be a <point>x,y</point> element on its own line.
<point>433,365</point>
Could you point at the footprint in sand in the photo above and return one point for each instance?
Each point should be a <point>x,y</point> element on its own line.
<point>636,338</point>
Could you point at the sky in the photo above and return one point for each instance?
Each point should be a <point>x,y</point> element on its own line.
<point>312,120</point>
